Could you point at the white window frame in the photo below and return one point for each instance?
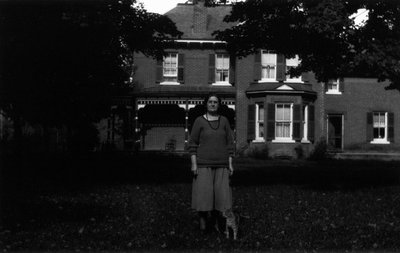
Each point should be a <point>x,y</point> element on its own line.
<point>170,56</point>
<point>263,65</point>
<point>284,139</point>
<point>335,91</point>
<point>259,138</point>
<point>295,79</point>
<point>383,140</point>
<point>225,68</point>
<point>305,125</point>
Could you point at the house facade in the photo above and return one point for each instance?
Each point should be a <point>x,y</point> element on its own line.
<point>265,106</point>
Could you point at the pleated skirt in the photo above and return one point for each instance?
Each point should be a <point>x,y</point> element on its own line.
<point>211,190</point>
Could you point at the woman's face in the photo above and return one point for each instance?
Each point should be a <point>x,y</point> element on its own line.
<point>212,104</point>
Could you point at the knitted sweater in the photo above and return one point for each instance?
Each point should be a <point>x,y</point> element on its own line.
<point>213,144</point>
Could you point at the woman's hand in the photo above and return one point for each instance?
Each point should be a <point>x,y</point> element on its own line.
<point>193,159</point>
<point>194,169</point>
<point>230,169</point>
<point>230,165</point>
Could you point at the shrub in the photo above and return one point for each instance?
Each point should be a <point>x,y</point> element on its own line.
<point>241,150</point>
<point>299,151</point>
<point>368,147</point>
<point>257,151</point>
<point>320,151</point>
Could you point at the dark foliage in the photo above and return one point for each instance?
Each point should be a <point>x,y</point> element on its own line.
<point>327,41</point>
<point>62,61</point>
<point>320,151</point>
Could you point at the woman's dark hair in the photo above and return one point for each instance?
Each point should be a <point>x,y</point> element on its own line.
<point>212,95</point>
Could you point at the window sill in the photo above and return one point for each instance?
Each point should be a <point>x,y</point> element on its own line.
<point>333,93</point>
<point>283,141</point>
<point>294,81</point>
<point>268,81</point>
<point>221,84</point>
<point>258,141</point>
<point>305,141</point>
<point>380,141</point>
<point>169,83</point>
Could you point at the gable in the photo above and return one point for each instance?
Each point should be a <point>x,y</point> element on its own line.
<point>284,87</point>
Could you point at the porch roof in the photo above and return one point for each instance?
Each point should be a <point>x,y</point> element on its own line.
<point>273,87</point>
<point>168,91</point>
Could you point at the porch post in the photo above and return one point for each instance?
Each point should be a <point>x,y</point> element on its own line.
<point>186,123</point>
<point>137,129</point>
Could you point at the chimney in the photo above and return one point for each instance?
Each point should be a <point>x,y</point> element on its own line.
<point>200,16</point>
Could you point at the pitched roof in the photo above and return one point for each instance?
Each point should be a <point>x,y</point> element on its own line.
<point>196,21</point>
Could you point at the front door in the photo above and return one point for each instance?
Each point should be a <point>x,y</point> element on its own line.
<point>335,131</point>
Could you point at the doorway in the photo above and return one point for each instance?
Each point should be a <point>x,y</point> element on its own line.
<point>335,131</point>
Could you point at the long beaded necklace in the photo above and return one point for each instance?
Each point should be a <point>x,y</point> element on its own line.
<point>210,123</point>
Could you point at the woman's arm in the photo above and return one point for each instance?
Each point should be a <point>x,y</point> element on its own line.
<point>230,144</point>
<point>193,159</point>
<point>193,145</point>
<point>231,165</point>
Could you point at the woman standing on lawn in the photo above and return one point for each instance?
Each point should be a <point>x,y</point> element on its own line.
<point>211,149</point>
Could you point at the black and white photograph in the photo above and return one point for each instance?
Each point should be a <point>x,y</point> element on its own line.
<point>199,126</point>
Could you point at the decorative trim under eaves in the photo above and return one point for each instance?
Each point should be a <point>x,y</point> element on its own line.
<point>281,92</point>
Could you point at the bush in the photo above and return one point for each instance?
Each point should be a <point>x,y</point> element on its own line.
<point>241,150</point>
<point>299,151</point>
<point>320,151</point>
<point>257,151</point>
<point>368,147</point>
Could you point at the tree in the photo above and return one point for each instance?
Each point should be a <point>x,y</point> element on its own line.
<point>328,42</point>
<point>61,61</point>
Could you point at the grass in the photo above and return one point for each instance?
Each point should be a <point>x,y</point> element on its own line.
<point>124,203</point>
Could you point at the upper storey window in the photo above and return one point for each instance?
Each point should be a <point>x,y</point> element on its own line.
<point>221,71</point>
<point>268,65</point>
<point>170,67</point>
<point>380,127</point>
<point>334,87</point>
<point>292,63</point>
<point>170,70</point>
<point>272,67</point>
<point>221,68</point>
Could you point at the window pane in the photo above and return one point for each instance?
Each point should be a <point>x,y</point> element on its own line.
<point>268,72</point>
<point>286,113</point>
<point>261,113</point>
<point>222,62</point>
<point>226,62</point>
<point>268,59</point>
<point>283,129</point>
<point>292,62</point>
<point>279,112</point>
<point>261,129</point>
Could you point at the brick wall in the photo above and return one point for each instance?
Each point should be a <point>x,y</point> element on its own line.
<point>362,95</point>
<point>244,76</point>
<point>195,69</point>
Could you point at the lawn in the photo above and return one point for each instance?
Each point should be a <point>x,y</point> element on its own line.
<point>125,203</point>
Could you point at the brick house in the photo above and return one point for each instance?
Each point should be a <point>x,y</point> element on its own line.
<point>264,105</point>
<point>169,93</point>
